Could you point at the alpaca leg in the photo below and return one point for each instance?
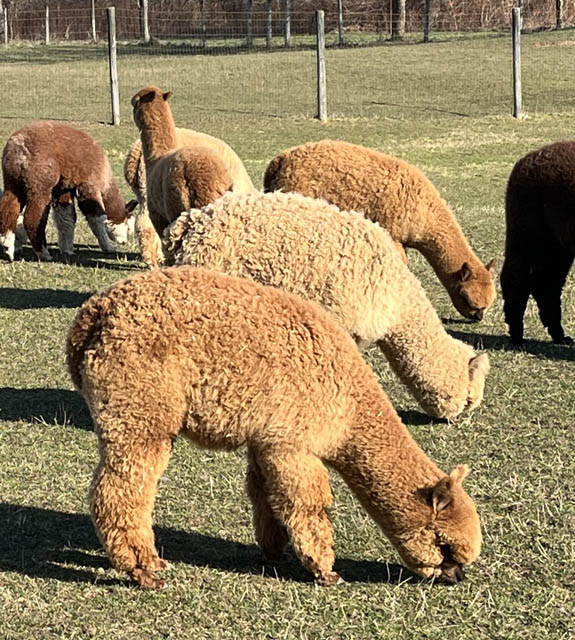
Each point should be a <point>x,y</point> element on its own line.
<point>299,494</point>
<point>64,214</point>
<point>35,221</point>
<point>549,276</point>
<point>121,503</point>
<point>148,239</point>
<point>10,207</point>
<point>271,535</point>
<point>515,287</point>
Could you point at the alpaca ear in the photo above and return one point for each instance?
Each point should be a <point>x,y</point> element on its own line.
<point>460,472</point>
<point>130,206</point>
<point>478,366</point>
<point>147,97</point>
<point>167,95</point>
<point>465,272</point>
<point>441,495</point>
<point>490,265</point>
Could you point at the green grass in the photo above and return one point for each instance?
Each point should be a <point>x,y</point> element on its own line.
<point>454,123</point>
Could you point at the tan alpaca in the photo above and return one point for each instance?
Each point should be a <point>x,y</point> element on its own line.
<point>350,266</point>
<point>177,178</point>
<point>401,199</point>
<point>135,175</point>
<point>227,362</point>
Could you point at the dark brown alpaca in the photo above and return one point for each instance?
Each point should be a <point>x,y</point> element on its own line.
<point>39,163</point>
<point>540,237</point>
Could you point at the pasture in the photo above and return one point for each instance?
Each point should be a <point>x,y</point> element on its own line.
<point>451,120</point>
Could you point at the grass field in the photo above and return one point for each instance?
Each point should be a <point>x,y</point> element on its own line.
<point>454,122</point>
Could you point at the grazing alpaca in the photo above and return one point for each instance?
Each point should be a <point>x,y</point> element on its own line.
<point>177,178</point>
<point>350,266</point>
<point>540,237</point>
<point>227,362</point>
<point>401,199</point>
<point>40,163</point>
<point>135,175</point>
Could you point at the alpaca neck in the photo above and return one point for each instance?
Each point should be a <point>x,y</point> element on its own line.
<point>114,204</point>
<point>158,134</point>
<point>444,246</point>
<point>385,467</point>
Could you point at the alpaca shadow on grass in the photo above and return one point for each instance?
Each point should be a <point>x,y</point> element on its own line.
<point>544,349</point>
<point>87,256</point>
<point>419,419</point>
<point>43,543</point>
<point>13,298</point>
<point>43,405</point>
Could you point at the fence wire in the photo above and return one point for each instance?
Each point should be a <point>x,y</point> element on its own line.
<point>224,62</point>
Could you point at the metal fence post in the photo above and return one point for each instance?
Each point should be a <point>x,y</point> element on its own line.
<point>517,99</point>
<point>250,23</point>
<point>559,24</point>
<point>340,23</point>
<point>321,83</point>
<point>268,23</point>
<point>93,16</point>
<point>5,25</point>
<point>114,92</point>
<point>287,23</point>
<point>203,24</point>
<point>47,26</point>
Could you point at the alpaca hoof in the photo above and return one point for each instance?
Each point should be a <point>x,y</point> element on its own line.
<point>329,579</point>
<point>517,341</point>
<point>146,579</point>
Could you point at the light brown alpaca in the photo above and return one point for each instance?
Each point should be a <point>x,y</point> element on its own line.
<point>46,162</point>
<point>227,362</point>
<point>400,198</point>
<point>177,179</point>
<point>351,267</point>
<point>135,175</point>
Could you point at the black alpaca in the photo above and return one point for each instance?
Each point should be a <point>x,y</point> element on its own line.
<point>540,237</point>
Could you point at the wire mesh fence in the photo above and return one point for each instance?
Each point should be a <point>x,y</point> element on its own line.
<point>262,63</point>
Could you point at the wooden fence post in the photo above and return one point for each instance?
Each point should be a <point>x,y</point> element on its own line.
<point>5,25</point>
<point>268,24</point>
<point>426,21</point>
<point>321,83</point>
<point>287,37</point>
<point>47,26</point>
<point>144,22</point>
<point>517,99</point>
<point>559,14</point>
<point>340,23</point>
<point>93,14</point>
<point>114,92</point>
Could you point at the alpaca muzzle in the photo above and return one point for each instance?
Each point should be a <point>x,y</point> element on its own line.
<point>452,574</point>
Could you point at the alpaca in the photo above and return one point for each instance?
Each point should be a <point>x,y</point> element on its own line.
<point>40,163</point>
<point>401,199</point>
<point>227,362</point>
<point>64,216</point>
<point>177,178</point>
<point>540,240</point>
<point>135,175</point>
<point>350,266</point>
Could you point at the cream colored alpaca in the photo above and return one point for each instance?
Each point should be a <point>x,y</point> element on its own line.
<point>351,267</point>
<point>401,199</point>
<point>226,363</point>
<point>177,177</point>
<point>135,175</point>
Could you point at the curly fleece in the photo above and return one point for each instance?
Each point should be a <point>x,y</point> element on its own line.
<point>348,265</point>
<point>401,199</point>
<point>227,362</point>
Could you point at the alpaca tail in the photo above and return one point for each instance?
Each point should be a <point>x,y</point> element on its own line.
<point>174,235</point>
<point>84,332</point>
<point>272,173</point>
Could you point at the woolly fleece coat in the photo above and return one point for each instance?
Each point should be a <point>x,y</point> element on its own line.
<point>348,265</point>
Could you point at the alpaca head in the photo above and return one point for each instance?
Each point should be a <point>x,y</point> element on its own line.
<point>451,535</point>
<point>147,102</point>
<point>473,290</point>
<point>118,232</point>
